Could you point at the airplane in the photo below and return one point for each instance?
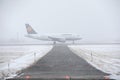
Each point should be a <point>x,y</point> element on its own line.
<point>31,33</point>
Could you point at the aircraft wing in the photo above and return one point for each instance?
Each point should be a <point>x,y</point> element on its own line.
<point>57,39</point>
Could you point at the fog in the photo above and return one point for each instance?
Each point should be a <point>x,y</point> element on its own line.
<point>94,20</point>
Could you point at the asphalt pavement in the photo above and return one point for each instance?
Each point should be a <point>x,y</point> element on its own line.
<point>60,62</point>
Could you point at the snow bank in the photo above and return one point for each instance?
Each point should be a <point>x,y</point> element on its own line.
<point>103,57</point>
<point>24,56</point>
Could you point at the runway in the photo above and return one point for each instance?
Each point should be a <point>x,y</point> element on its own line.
<point>60,62</point>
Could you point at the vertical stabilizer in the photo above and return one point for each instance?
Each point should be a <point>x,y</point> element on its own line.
<point>30,30</point>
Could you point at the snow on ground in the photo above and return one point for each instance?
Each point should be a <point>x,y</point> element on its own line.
<point>103,57</point>
<point>15,58</point>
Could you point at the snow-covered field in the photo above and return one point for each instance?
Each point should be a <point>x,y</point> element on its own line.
<point>15,58</point>
<point>103,57</point>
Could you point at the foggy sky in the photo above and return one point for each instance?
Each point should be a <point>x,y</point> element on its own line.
<point>93,20</point>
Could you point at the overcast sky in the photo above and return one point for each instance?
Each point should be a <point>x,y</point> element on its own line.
<point>93,20</point>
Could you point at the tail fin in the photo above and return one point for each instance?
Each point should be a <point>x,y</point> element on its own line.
<point>30,30</point>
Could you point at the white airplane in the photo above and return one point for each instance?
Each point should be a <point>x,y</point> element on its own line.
<point>58,38</point>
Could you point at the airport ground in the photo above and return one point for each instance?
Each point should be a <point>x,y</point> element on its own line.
<point>60,63</point>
